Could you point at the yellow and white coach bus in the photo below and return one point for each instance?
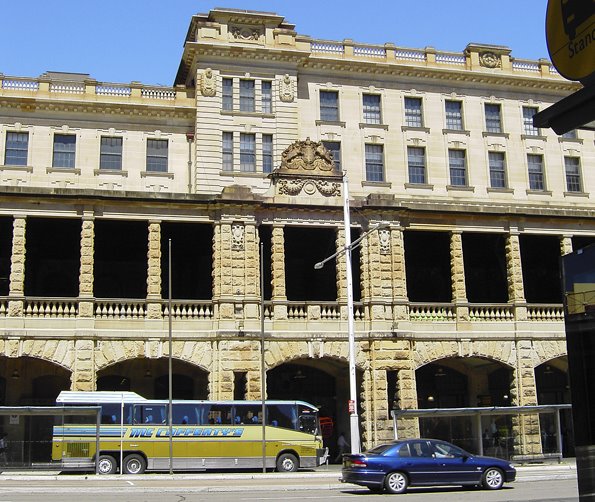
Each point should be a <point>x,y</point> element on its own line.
<point>134,434</point>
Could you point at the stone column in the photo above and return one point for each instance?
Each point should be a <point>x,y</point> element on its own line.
<point>251,266</point>
<point>565,245</point>
<point>278,273</point>
<point>457,270</point>
<point>16,290</point>
<point>83,376</point>
<point>526,431</point>
<point>407,399</point>
<point>377,274</point>
<point>399,276</point>
<point>514,273</point>
<point>154,309</point>
<point>87,266</point>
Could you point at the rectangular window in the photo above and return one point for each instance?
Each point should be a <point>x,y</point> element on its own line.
<point>247,95</point>
<point>535,163</point>
<point>372,109</point>
<point>17,146</point>
<point>374,163</point>
<point>329,106</point>
<point>267,96</point>
<point>227,151</point>
<point>157,155</point>
<point>458,168</point>
<point>247,152</point>
<point>110,156</point>
<point>493,120</point>
<point>335,148</point>
<point>570,134</point>
<point>413,112</point>
<point>497,166</point>
<point>573,174</point>
<point>416,163</point>
<point>528,127</point>
<point>64,150</point>
<point>267,153</point>
<point>227,94</point>
<point>454,115</point>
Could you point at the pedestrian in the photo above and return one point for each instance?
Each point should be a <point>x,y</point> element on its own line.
<point>3,445</point>
<point>343,446</point>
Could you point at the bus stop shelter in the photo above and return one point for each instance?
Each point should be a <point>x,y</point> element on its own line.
<point>479,412</point>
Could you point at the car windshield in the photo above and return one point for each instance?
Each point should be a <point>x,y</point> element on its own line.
<point>381,449</point>
<point>448,450</point>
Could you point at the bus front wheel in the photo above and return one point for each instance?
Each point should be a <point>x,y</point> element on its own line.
<point>287,462</point>
<point>134,464</point>
<point>107,464</point>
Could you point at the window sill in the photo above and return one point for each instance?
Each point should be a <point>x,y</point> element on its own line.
<point>424,186</point>
<point>27,169</point>
<point>65,170</point>
<point>338,123</point>
<point>576,194</point>
<point>418,129</point>
<point>487,134</point>
<point>365,125</point>
<point>246,174</point>
<point>499,190</point>
<point>531,136</point>
<point>238,113</point>
<point>385,184</point>
<point>156,174</point>
<point>570,140</point>
<point>116,172</point>
<point>456,131</point>
<point>538,192</point>
<point>460,188</point>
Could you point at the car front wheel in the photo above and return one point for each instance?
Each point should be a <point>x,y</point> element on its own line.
<point>396,482</point>
<point>287,463</point>
<point>493,479</point>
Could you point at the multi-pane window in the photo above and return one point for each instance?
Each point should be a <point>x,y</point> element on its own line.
<point>573,174</point>
<point>329,106</point>
<point>493,118</point>
<point>416,163</point>
<point>267,153</point>
<point>157,150</point>
<point>110,155</point>
<point>227,151</point>
<point>413,113</point>
<point>64,150</point>
<point>266,89</point>
<point>335,148</point>
<point>536,179</point>
<point>374,163</point>
<point>247,152</point>
<point>227,94</point>
<point>454,115</point>
<point>371,109</point>
<point>528,127</point>
<point>497,164</point>
<point>458,168</point>
<point>570,134</point>
<point>247,95</point>
<point>17,145</point>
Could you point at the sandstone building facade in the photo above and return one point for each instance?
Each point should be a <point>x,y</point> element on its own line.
<point>457,302</point>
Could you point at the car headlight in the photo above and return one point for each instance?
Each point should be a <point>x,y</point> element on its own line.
<point>511,466</point>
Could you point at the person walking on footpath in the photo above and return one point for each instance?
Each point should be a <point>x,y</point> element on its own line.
<point>343,447</point>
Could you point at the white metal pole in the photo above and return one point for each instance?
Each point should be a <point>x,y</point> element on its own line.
<point>353,416</point>
<point>263,377</point>
<point>170,376</point>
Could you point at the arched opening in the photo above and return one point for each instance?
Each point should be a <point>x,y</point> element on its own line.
<point>150,378</point>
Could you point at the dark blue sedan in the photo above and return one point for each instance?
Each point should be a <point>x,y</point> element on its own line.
<point>423,462</point>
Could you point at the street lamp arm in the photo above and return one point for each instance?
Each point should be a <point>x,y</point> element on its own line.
<point>354,245</point>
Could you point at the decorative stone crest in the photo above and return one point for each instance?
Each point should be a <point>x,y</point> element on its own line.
<point>245,32</point>
<point>208,83</point>
<point>384,238</point>
<point>286,89</point>
<point>237,237</point>
<point>489,60</point>
<point>307,155</point>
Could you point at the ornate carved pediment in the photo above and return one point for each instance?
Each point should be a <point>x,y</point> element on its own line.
<point>307,167</point>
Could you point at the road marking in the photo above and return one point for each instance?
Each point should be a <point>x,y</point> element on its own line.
<point>130,483</point>
<point>299,497</point>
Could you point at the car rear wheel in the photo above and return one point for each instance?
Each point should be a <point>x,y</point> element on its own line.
<point>106,464</point>
<point>134,464</point>
<point>396,482</point>
<point>493,479</point>
<point>287,463</point>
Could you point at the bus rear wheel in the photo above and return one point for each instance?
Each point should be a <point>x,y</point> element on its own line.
<point>106,464</point>
<point>287,462</point>
<point>134,464</point>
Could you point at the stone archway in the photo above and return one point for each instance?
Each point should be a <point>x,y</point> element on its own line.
<point>150,377</point>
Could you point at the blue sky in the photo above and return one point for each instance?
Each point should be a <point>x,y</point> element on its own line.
<point>142,40</point>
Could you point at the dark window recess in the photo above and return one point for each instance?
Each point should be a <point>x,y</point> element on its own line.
<point>579,242</point>
<point>540,260</point>
<point>265,233</point>
<point>120,259</point>
<point>427,255</point>
<point>240,383</point>
<point>485,268</point>
<point>192,260</point>
<point>52,262</point>
<point>391,391</point>
<point>5,253</point>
